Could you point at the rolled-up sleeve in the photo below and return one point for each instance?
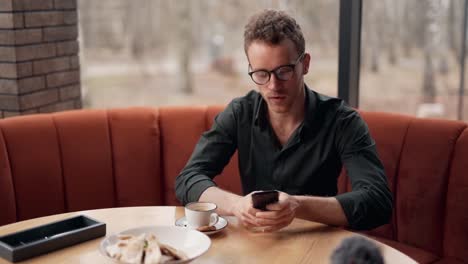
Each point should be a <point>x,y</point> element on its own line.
<point>369,204</point>
<point>211,154</point>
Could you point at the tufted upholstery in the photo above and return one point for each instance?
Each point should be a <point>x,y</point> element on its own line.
<point>86,159</point>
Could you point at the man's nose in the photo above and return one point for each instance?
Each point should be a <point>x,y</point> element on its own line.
<point>274,82</point>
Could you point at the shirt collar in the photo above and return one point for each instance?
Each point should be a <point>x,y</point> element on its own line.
<point>310,106</point>
<point>260,113</point>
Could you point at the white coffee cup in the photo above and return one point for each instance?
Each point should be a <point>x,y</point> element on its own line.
<point>201,214</point>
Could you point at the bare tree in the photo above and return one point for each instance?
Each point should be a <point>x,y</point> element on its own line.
<point>444,35</point>
<point>431,41</point>
<point>183,37</point>
<point>391,35</point>
<point>406,40</point>
<point>86,13</point>
<point>375,34</point>
<point>414,26</point>
<point>138,23</point>
<point>454,24</point>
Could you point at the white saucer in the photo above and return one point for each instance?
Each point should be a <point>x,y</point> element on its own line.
<point>220,225</point>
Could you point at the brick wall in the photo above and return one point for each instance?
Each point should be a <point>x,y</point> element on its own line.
<point>39,64</point>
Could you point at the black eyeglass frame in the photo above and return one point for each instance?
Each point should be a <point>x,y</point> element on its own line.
<point>275,71</point>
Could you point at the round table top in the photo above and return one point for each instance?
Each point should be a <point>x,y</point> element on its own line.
<point>301,242</point>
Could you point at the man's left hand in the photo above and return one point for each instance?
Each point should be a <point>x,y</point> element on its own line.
<point>279,214</point>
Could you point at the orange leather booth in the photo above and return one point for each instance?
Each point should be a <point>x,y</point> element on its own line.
<point>87,159</point>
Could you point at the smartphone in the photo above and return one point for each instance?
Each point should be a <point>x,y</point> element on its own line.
<point>261,199</point>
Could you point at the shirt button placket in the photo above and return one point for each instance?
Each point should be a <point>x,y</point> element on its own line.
<point>278,171</point>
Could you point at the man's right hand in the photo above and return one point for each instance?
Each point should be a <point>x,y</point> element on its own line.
<point>232,204</point>
<point>244,211</point>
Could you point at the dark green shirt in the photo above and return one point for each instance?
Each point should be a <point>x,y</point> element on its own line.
<point>331,135</point>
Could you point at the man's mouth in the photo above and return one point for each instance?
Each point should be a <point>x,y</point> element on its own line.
<point>276,98</point>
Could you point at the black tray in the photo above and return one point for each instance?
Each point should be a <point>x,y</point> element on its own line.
<point>45,238</point>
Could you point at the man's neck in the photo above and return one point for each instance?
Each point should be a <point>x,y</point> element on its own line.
<point>292,118</point>
<point>288,119</point>
<point>284,124</point>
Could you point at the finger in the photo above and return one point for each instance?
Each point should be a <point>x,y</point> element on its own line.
<point>277,227</point>
<point>252,211</point>
<point>247,224</point>
<point>249,214</point>
<point>273,222</point>
<point>245,217</point>
<point>277,206</point>
<point>274,214</point>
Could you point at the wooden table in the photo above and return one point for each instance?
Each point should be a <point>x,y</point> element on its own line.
<point>301,242</point>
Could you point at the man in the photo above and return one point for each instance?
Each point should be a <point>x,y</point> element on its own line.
<point>289,138</point>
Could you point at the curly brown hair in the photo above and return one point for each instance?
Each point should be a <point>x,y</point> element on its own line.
<point>272,27</point>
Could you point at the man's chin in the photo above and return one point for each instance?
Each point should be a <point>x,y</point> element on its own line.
<point>280,109</point>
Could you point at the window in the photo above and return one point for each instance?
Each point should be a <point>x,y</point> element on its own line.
<point>163,52</point>
<point>410,57</point>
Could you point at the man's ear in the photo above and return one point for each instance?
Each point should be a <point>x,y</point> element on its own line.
<point>306,63</point>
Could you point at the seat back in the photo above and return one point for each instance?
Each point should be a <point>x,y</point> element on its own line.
<point>456,209</point>
<point>181,128</point>
<point>421,184</point>
<point>7,190</point>
<point>76,160</point>
<point>417,154</point>
<point>33,153</point>
<point>86,159</point>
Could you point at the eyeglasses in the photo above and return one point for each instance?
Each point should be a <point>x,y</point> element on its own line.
<point>282,72</point>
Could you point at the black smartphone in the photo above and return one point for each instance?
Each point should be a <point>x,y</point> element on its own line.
<point>261,199</point>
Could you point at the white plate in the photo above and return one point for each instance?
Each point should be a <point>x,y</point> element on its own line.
<point>192,242</point>
<point>220,225</point>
